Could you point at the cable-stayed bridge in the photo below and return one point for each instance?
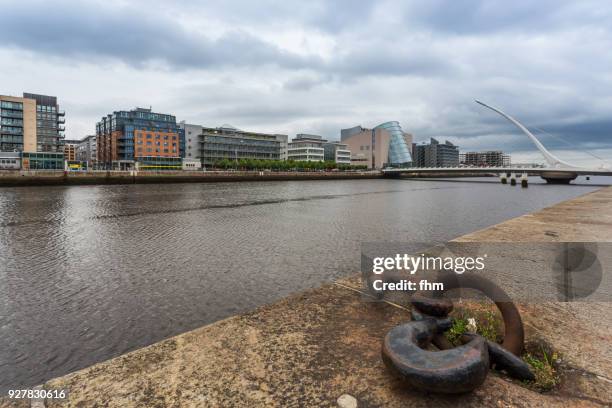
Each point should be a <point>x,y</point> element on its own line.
<point>557,171</point>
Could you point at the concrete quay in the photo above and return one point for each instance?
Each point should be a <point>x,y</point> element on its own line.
<point>11,178</point>
<point>313,347</point>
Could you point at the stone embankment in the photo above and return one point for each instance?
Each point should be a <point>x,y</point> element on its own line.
<point>46,178</point>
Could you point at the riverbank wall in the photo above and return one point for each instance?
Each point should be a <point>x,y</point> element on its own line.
<point>314,347</point>
<point>9,178</point>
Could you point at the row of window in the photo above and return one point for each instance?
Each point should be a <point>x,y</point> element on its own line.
<point>11,113</point>
<point>11,105</point>
<point>11,129</point>
<point>46,116</point>
<point>45,108</point>
<point>11,121</point>
<point>157,142</point>
<point>157,136</point>
<point>150,150</point>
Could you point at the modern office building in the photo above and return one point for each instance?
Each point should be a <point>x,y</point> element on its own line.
<point>283,141</point>
<point>32,126</point>
<point>191,136</point>
<point>305,147</point>
<point>71,148</point>
<point>87,150</point>
<point>385,145</point>
<point>230,143</point>
<point>17,124</point>
<point>435,154</point>
<point>493,158</point>
<point>125,138</point>
<point>337,152</point>
<point>50,123</point>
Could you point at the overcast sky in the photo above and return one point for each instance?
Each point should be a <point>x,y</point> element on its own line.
<point>319,66</point>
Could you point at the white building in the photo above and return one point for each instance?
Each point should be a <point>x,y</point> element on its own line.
<point>192,140</point>
<point>337,152</point>
<point>10,160</point>
<point>306,148</point>
<point>191,164</point>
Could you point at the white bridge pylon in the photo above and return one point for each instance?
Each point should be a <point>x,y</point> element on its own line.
<point>551,159</point>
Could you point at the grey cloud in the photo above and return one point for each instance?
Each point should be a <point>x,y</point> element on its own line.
<point>482,16</point>
<point>131,35</point>
<point>419,62</point>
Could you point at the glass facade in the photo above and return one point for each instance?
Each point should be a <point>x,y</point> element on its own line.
<point>11,126</point>
<point>399,151</point>
<point>139,133</point>
<point>43,161</point>
<point>436,154</point>
<point>232,144</point>
<point>159,163</point>
<point>49,123</point>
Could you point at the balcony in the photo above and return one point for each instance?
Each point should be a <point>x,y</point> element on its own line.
<point>11,114</point>
<point>11,131</point>
<point>61,113</point>
<point>61,119</point>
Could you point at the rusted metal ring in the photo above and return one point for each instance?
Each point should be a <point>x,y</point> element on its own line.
<point>457,370</point>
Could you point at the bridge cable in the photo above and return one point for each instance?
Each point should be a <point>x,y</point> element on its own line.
<point>570,144</point>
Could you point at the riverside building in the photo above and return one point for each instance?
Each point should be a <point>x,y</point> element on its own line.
<point>17,124</point>
<point>50,123</point>
<point>304,147</point>
<point>385,145</point>
<point>87,150</point>
<point>337,152</point>
<point>70,149</point>
<point>31,130</point>
<point>138,139</point>
<point>492,158</point>
<point>191,136</point>
<point>435,154</point>
<point>229,143</point>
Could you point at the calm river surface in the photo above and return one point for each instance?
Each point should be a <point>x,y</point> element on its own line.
<point>91,272</point>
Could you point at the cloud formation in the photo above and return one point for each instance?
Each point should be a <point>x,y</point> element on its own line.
<point>317,66</point>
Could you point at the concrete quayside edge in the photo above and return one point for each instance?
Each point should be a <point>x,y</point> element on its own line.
<point>313,347</point>
<point>50,178</point>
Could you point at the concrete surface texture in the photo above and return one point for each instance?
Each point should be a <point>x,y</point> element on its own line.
<point>322,346</point>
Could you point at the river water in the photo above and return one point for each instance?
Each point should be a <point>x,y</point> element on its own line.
<point>91,272</point>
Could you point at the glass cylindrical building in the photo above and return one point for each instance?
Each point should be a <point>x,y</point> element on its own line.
<point>399,151</point>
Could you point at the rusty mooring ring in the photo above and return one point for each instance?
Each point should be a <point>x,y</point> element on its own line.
<point>453,369</point>
<point>457,370</point>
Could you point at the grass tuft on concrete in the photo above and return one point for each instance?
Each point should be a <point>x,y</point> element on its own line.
<point>544,364</point>
<point>489,323</point>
